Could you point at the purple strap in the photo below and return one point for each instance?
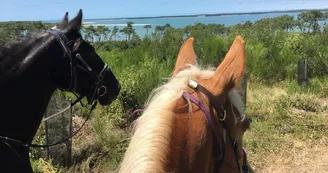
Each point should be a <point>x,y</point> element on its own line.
<point>134,114</point>
<point>198,103</point>
<point>208,116</point>
<point>206,112</point>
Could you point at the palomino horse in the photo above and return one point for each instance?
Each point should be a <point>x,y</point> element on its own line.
<point>31,70</point>
<point>195,122</point>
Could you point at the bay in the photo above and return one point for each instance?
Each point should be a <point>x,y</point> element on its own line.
<point>180,22</point>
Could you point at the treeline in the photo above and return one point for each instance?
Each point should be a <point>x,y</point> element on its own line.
<point>10,31</point>
<point>102,33</point>
<point>305,22</point>
<point>274,45</point>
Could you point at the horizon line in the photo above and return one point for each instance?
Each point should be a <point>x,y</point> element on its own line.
<point>211,14</point>
<point>185,15</point>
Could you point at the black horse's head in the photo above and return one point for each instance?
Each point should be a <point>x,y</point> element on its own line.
<point>81,69</point>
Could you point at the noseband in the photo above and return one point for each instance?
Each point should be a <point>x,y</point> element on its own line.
<point>96,90</point>
<point>221,111</point>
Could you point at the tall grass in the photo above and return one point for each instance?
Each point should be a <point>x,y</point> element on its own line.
<point>281,110</point>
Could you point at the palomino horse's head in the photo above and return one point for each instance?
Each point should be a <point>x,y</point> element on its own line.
<point>195,122</point>
<point>82,70</point>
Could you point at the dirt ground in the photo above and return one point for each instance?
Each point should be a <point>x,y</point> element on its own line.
<point>309,157</point>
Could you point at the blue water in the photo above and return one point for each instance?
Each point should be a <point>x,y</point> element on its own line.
<point>181,22</point>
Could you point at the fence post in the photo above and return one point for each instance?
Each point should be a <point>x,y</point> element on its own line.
<point>46,137</point>
<point>306,71</point>
<point>69,142</point>
<point>302,72</point>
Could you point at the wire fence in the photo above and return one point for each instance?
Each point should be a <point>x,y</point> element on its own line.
<point>58,121</point>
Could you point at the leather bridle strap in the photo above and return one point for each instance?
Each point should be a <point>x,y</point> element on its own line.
<point>64,42</point>
<point>222,116</point>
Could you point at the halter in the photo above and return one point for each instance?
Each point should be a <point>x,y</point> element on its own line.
<point>95,89</point>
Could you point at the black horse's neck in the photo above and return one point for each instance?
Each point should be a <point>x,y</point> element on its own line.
<point>28,93</point>
<point>24,96</point>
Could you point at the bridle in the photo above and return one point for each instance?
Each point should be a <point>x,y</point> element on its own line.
<point>95,92</point>
<point>221,111</point>
<point>96,88</point>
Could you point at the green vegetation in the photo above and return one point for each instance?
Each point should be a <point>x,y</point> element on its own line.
<point>10,31</point>
<point>283,113</point>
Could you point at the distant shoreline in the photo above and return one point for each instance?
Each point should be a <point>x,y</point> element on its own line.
<point>208,15</point>
<point>179,16</point>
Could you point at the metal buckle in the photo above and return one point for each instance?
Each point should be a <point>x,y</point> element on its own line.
<point>102,94</point>
<point>192,84</point>
<point>100,75</point>
<point>224,115</point>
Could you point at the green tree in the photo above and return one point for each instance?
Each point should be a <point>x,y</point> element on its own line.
<point>90,32</point>
<point>102,31</point>
<point>147,27</point>
<point>286,22</point>
<point>125,32</point>
<point>115,31</point>
<point>311,20</point>
<point>129,29</point>
<point>186,30</point>
<point>166,27</point>
<point>159,30</point>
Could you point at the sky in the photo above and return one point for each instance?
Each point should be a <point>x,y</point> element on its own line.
<point>24,10</point>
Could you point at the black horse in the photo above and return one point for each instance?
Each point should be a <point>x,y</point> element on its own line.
<point>31,70</point>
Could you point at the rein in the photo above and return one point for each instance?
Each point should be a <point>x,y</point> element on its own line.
<point>7,140</point>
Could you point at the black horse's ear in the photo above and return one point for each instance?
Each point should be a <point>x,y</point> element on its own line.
<point>64,22</point>
<point>77,21</point>
<point>65,19</point>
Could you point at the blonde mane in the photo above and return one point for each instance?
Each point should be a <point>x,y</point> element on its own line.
<point>152,132</point>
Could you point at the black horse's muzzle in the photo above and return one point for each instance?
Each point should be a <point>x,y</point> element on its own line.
<point>105,89</point>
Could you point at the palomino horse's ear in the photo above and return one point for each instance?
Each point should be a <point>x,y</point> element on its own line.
<point>77,21</point>
<point>230,72</point>
<point>186,56</point>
